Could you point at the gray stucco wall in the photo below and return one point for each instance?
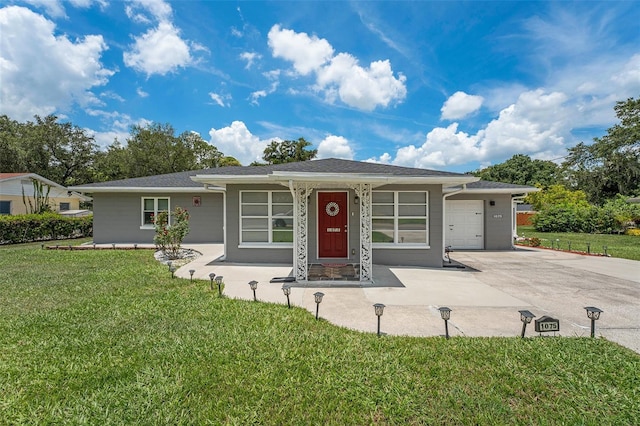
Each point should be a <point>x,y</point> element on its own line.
<point>117,217</point>
<point>408,257</point>
<point>431,257</point>
<point>497,219</point>
<point>271,254</point>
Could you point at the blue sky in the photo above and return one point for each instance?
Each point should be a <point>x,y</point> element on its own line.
<point>442,85</point>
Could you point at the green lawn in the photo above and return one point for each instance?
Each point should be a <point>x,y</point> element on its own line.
<point>622,246</point>
<point>107,337</point>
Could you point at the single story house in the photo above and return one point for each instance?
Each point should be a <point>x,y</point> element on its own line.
<point>320,211</point>
<point>17,191</point>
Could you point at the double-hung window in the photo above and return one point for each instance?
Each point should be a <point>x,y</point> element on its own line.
<point>266,217</point>
<point>400,218</point>
<point>151,206</point>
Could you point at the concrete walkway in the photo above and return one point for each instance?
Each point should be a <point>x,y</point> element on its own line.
<point>484,298</point>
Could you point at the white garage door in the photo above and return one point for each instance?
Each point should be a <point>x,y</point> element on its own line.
<point>464,227</point>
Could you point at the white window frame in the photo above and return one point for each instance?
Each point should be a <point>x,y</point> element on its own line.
<point>270,220</point>
<point>396,244</point>
<point>155,210</point>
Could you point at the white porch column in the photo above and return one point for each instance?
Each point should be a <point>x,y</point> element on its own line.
<point>363,191</point>
<point>300,236</point>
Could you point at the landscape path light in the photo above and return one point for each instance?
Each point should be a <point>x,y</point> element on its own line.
<point>219,279</point>
<point>593,314</point>
<point>318,296</point>
<point>169,264</point>
<point>191,272</point>
<point>286,289</point>
<point>254,286</point>
<point>445,314</point>
<point>379,309</point>
<point>172,269</point>
<point>525,317</point>
<point>211,277</point>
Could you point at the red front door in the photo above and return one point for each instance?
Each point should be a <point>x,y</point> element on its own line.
<point>332,224</point>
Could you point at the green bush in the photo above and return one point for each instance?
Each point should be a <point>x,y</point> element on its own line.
<point>42,227</point>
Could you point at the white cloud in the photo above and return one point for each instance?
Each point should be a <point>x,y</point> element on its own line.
<point>250,58</point>
<point>159,51</point>
<point>538,124</point>
<point>237,141</point>
<point>141,93</point>
<point>147,11</point>
<point>340,76</point>
<point>307,53</point>
<point>219,99</point>
<point>335,147</point>
<point>43,73</point>
<point>459,105</point>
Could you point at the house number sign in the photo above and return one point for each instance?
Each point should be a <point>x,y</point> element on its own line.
<point>332,208</point>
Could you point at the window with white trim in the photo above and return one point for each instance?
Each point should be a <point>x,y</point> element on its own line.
<point>266,217</point>
<point>151,206</point>
<point>400,218</point>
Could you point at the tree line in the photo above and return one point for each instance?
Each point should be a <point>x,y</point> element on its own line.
<point>69,155</point>
<point>603,170</point>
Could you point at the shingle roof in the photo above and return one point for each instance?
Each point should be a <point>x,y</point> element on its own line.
<point>330,165</point>
<point>485,184</point>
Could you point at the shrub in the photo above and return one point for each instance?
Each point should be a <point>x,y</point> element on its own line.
<point>42,227</point>
<point>169,237</point>
<point>633,232</point>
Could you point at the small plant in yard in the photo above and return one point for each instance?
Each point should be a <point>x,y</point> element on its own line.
<point>168,236</point>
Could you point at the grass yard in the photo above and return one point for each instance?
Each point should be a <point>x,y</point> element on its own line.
<point>107,337</point>
<point>621,246</point>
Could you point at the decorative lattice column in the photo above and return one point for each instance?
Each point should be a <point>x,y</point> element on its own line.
<point>300,235</point>
<point>366,263</point>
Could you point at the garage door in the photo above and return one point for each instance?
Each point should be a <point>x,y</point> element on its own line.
<point>464,227</point>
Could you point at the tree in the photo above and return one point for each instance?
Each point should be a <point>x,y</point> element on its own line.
<point>522,170</point>
<point>288,152</point>
<point>61,152</point>
<point>611,165</point>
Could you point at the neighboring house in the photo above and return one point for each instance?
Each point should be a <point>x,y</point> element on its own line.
<point>321,211</point>
<point>525,213</point>
<point>14,185</point>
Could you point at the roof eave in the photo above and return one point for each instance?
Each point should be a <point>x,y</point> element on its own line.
<point>147,190</point>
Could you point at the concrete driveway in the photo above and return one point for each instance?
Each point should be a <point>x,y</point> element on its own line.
<point>484,297</point>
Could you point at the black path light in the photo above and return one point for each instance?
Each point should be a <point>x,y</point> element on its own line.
<point>286,289</point>
<point>254,286</point>
<point>318,296</point>
<point>219,279</point>
<point>445,313</point>
<point>169,264</point>
<point>525,317</point>
<point>379,309</point>
<point>211,277</point>
<point>191,272</point>
<point>172,269</point>
<point>593,314</point>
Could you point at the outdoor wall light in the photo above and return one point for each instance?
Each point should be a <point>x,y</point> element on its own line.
<point>445,314</point>
<point>356,200</point>
<point>318,297</point>
<point>191,272</point>
<point>379,309</point>
<point>286,289</point>
<point>211,277</point>
<point>525,317</point>
<point>254,286</point>
<point>173,271</point>
<point>593,314</point>
<point>219,279</point>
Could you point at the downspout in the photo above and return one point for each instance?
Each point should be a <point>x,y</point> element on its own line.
<point>444,215</point>
<point>514,218</point>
